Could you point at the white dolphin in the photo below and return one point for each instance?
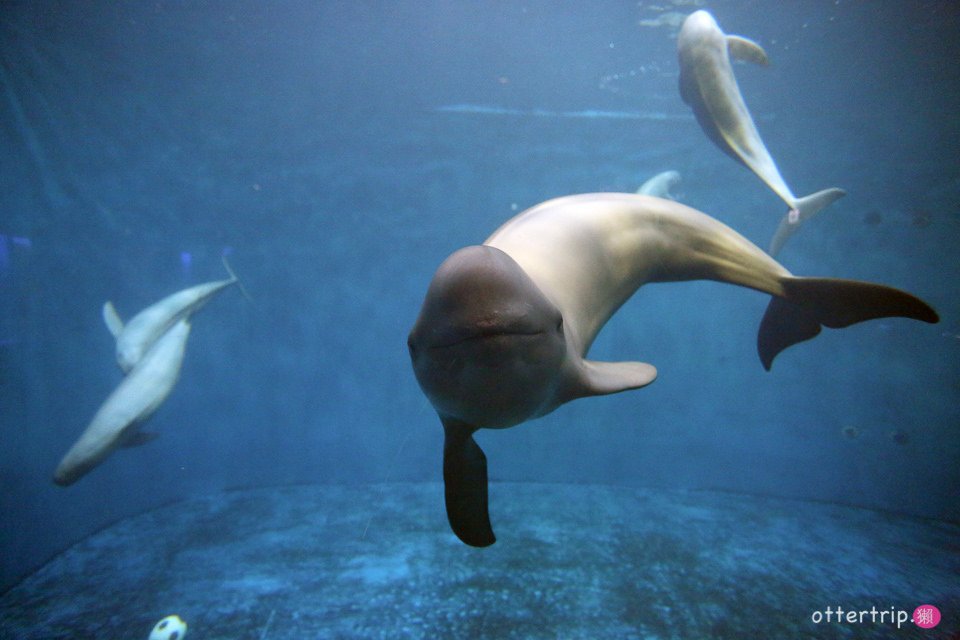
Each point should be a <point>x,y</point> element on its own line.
<point>136,336</point>
<point>708,85</point>
<point>134,400</point>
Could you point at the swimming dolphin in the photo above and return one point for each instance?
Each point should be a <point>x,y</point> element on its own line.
<point>136,336</point>
<point>660,185</point>
<point>708,85</point>
<point>505,327</point>
<point>134,400</point>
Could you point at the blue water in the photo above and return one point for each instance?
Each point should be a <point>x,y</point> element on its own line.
<point>339,151</point>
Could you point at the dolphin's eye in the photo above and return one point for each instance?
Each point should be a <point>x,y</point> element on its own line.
<point>560,325</point>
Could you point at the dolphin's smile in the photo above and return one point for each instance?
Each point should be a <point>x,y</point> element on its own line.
<point>477,335</point>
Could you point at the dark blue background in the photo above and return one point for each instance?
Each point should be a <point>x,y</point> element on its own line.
<point>306,140</point>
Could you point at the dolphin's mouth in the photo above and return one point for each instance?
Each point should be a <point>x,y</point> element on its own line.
<point>476,335</point>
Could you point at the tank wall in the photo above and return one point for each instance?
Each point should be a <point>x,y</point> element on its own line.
<point>312,148</point>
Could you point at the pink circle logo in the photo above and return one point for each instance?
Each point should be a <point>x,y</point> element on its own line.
<point>926,616</point>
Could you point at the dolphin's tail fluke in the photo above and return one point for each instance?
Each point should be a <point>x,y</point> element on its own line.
<point>465,485</point>
<point>809,303</point>
<point>234,278</point>
<point>804,209</point>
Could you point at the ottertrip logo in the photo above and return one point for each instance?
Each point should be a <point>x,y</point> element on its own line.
<point>926,616</point>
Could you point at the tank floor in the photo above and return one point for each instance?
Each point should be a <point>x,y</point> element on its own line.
<point>572,561</point>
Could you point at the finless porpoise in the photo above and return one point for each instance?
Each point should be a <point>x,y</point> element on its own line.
<point>505,327</point>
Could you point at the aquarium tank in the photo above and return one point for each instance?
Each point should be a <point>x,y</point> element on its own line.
<point>442,319</point>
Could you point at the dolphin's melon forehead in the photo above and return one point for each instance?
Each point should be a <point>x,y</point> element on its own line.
<point>480,288</point>
<point>701,18</point>
<point>477,261</point>
<point>477,275</point>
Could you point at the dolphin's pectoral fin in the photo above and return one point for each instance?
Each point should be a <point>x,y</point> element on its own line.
<point>465,485</point>
<point>809,303</point>
<point>747,50</point>
<point>602,378</point>
<point>112,319</point>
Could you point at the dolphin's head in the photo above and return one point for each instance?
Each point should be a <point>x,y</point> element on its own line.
<point>698,24</point>
<point>699,43</point>
<point>488,346</point>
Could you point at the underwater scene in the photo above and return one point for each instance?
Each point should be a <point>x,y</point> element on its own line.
<point>441,319</point>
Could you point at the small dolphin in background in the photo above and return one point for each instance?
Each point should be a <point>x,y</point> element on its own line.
<point>134,400</point>
<point>136,336</point>
<point>708,85</point>
<point>506,326</point>
<point>660,185</point>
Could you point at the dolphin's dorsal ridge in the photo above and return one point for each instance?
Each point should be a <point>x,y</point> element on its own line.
<point>112,319</point>
<point>747,50</point>
<point>602,378</point>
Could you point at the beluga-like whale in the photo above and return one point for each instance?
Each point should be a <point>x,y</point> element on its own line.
<point>117,423</point>
<point>708,85</point>
<point>505,328</point>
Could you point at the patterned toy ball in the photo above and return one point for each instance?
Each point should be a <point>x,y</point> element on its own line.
<point>170,628</point>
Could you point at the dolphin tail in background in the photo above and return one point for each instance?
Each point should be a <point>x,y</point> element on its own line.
<point>808,303</point>
<point>803,209</point>
<point>465,485</point>
<point>233,277</point>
